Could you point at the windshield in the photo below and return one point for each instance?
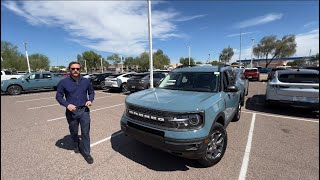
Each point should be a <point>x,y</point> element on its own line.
<point>191,81</point>
<point>251,70</point>
<point>139,76</point>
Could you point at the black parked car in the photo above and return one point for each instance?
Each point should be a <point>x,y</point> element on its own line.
<point>141,81</point>
<point>97,80</point>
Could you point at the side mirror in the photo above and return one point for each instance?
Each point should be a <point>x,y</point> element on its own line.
<point>232,88</point>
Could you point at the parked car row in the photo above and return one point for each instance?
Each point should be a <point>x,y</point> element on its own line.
<point>31,82</point>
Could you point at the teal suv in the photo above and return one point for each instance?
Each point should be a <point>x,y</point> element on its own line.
<point>187,114</point>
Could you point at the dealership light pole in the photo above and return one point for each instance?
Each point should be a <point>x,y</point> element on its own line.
<point>85,65</point>
<point>240,50</point>
<point>150,44</point>
<point>189,54</point>
<point>252,39</point>
<point>101,65</point>
<point>25,46</point>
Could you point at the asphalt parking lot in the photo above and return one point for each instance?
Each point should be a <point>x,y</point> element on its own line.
<point>276,143</point>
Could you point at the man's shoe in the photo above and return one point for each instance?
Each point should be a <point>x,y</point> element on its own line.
<point>76,149</point>
<point>89,159</point>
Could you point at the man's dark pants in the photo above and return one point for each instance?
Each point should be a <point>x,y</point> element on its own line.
<point>81,116</point>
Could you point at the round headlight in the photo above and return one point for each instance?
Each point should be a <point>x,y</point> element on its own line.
<point>194,120</point>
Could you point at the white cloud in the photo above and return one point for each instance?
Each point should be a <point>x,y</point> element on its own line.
<point>310,24</point>
<point>110,26</point>
<point>244,33</point>
<point>245,54</point>
<point>307,41</point>
<point>259,20</point>
<point>190,18</point>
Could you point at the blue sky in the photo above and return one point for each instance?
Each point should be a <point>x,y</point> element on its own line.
<point>63,29</point>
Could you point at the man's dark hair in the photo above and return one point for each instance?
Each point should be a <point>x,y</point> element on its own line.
<point>73,62</point>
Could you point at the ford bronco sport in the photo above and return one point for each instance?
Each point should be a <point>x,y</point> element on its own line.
<point>187,114</point>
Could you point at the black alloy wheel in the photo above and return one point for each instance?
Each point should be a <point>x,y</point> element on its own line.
<point>14,90</point>
<point>216,147</point>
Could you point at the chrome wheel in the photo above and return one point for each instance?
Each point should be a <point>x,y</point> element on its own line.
<point>102,85</point>
<point>124,87</point>
<point>215,147</point>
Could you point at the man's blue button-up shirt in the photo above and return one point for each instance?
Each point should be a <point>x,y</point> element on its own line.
<point>75,92</point>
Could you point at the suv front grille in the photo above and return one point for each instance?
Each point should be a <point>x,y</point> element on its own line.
<point>151,117</point>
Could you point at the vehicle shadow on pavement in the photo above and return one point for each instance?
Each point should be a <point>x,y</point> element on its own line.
<point>65,143</point>
<point>257,103</point>
<point>149,157</point>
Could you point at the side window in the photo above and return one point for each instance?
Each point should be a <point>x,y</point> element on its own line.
<point>46,76</point>
<point>8,72</point>
<point>231,77</point>
<point>156,76</point>
<point>32,76</point>
<point>127,76</point>
<point>225,80</point>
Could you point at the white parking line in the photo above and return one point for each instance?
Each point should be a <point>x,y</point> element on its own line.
<point>245,161</point>
<point>34,99</point>
<point>286,117</point>
<point>42,106</point>
<point>90,111</point>
<point>58,104</point>
<point>105,139</point>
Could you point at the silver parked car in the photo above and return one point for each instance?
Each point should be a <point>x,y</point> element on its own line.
<point>242,83</point>
<point>299,87</point>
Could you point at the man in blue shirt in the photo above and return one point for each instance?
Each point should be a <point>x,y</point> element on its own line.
<point>76,89</point>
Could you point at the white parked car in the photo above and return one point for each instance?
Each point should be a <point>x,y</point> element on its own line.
<point>299,87</point>
<point>118,81</point>
<point>5,75</point>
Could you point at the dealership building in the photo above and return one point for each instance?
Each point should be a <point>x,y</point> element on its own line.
<point>275,62</point>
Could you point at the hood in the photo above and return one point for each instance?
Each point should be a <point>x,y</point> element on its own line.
<point>173,100</point>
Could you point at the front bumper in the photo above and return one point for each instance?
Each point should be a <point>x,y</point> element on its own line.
<point>109,84</point>
<point>191,148</point>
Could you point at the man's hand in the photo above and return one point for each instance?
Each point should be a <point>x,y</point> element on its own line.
<point>88,103</point>
<point>71,107</point>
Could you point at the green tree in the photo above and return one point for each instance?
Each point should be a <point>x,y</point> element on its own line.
<point>185,61</point>
<point>160,59</point>
<point>198,62</point>
<point>11,58</point>
<point>297,63</point>
<point>92,60</point>
<point>216,63</point>
<point>39,62</point>
<point>226,54</point>
<point>130,61</point>
<point>115,58</point>
<point>143,61</point>
<point>270,45</point>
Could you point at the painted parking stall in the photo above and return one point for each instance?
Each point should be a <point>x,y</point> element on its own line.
<point>33,147</point>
